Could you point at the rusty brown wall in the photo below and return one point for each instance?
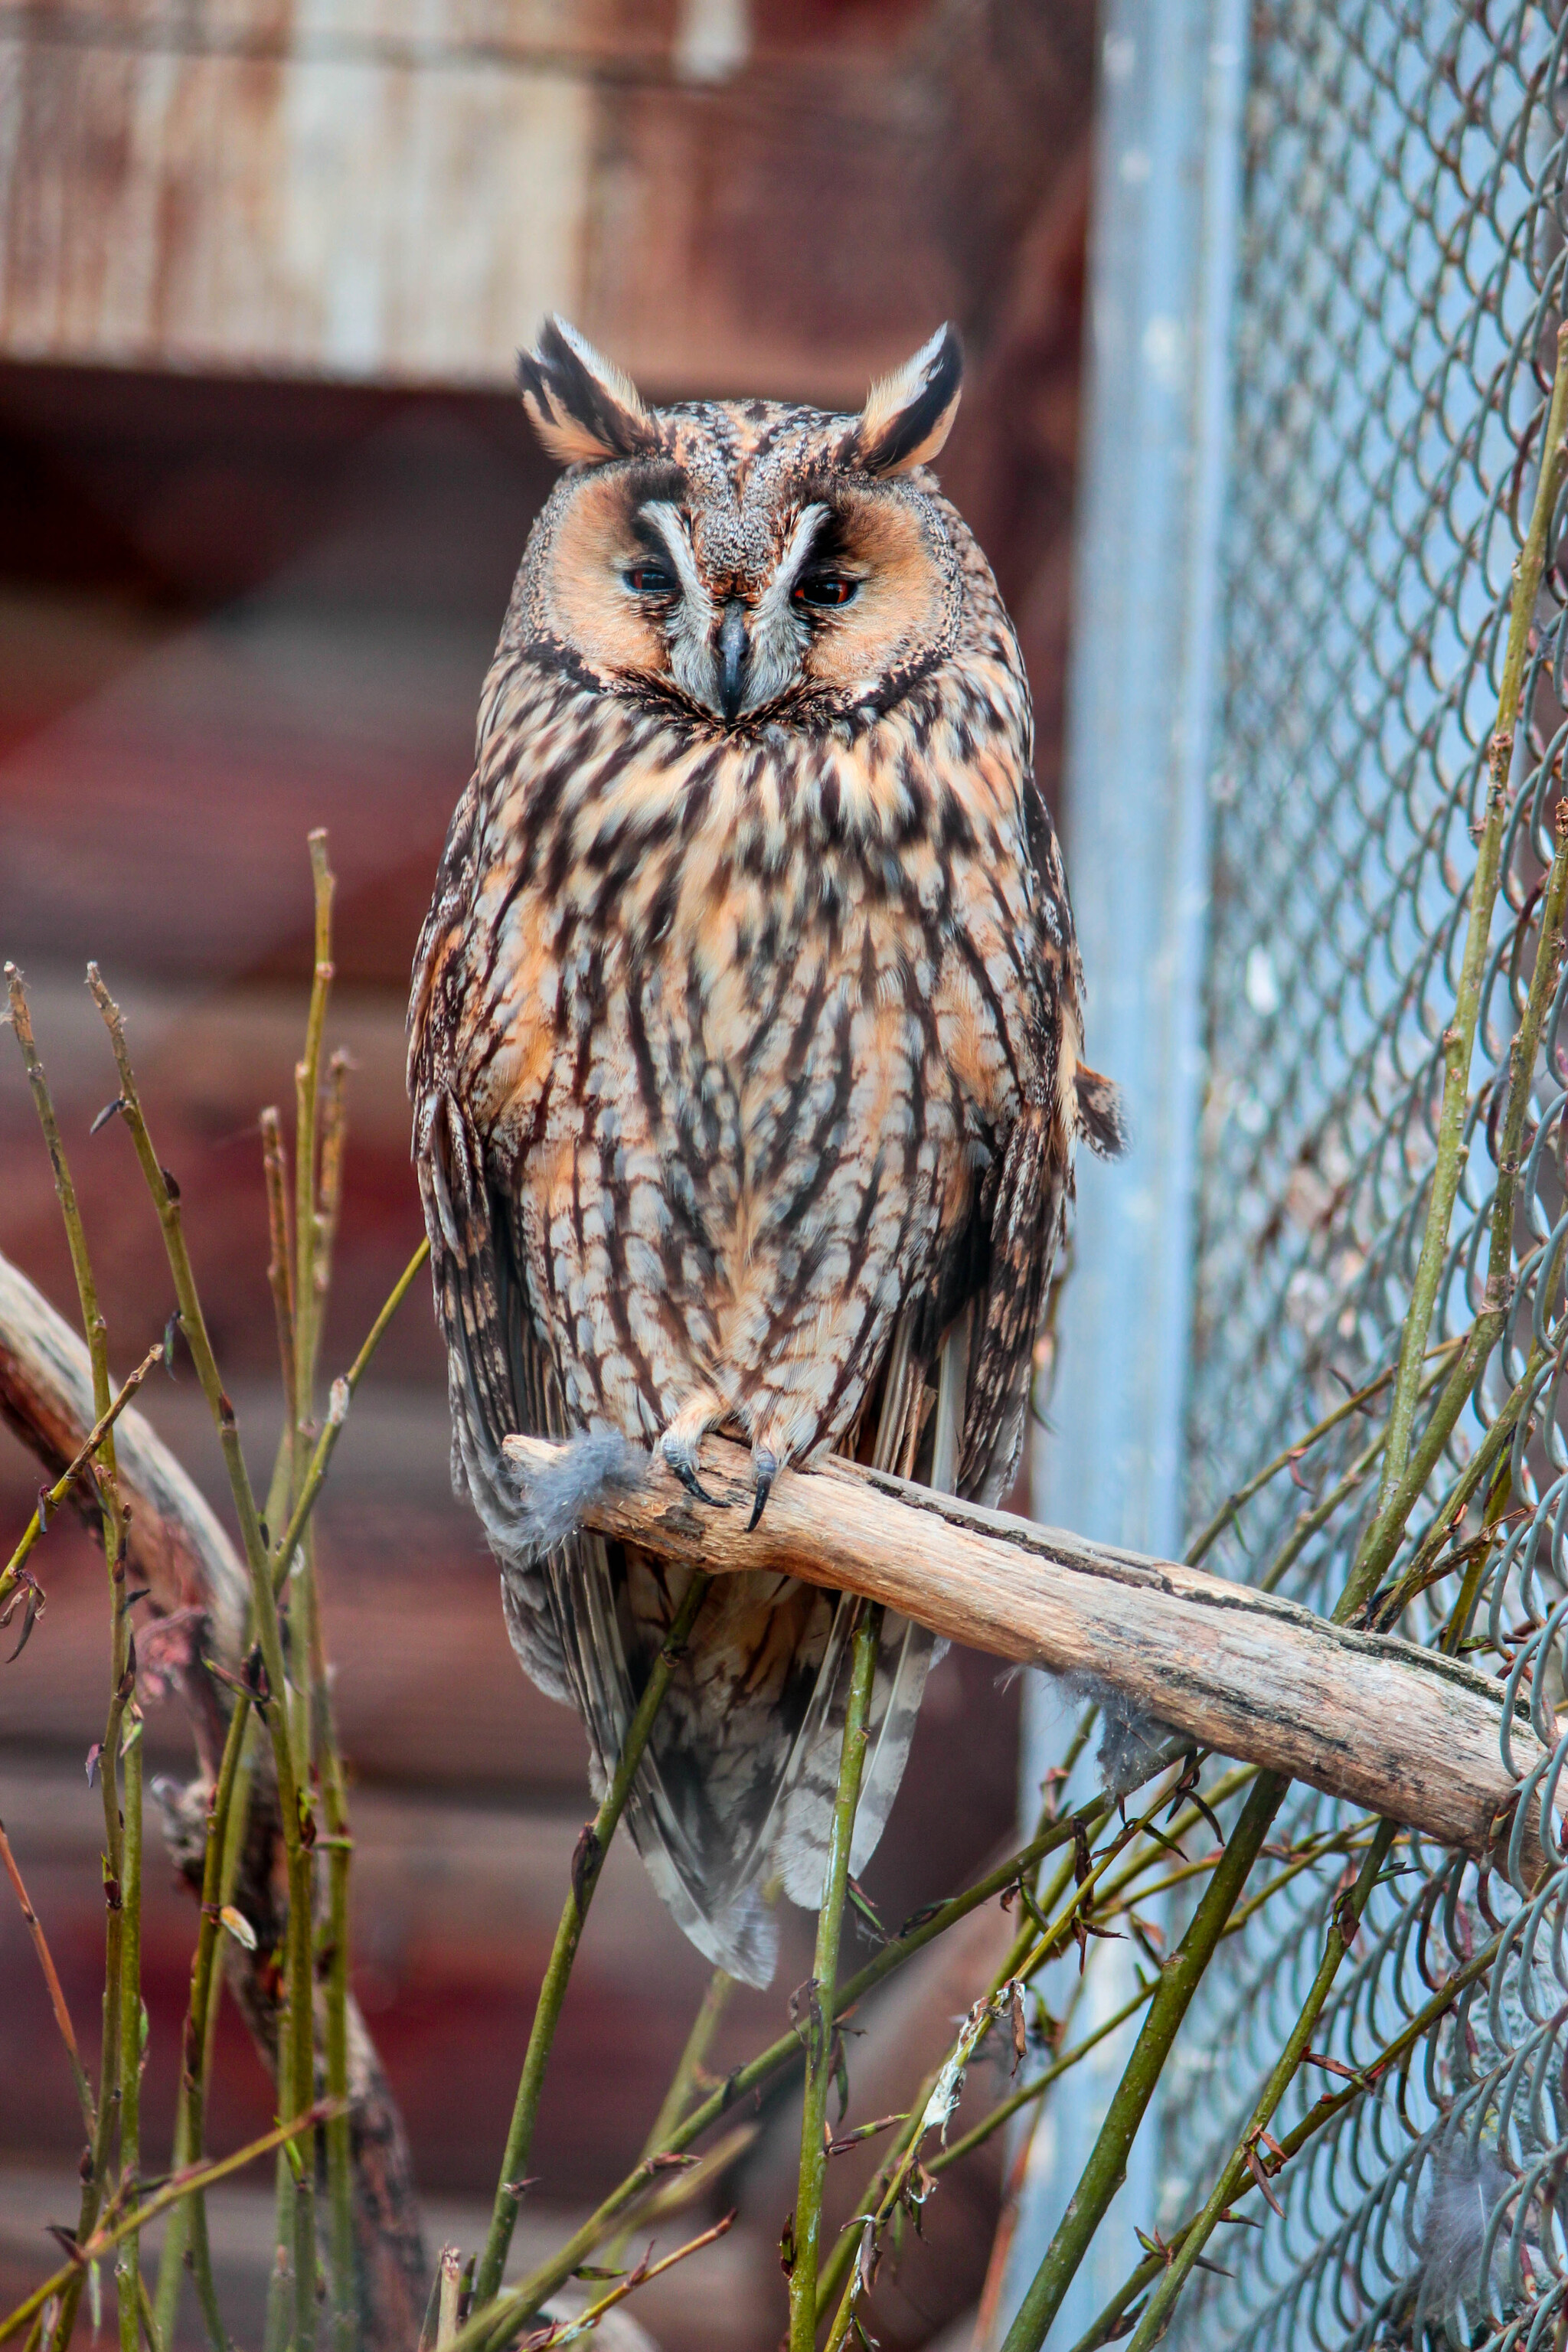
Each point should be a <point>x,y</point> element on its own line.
<point>738,193</point>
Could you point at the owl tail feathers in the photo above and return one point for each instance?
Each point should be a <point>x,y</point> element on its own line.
<point>732,1922</point>
<point>800,1851</point>
<point>741,1936</point>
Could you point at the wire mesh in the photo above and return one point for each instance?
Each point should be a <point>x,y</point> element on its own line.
<point>1402,280</point>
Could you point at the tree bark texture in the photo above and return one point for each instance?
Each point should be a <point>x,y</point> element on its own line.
<point>1396,1729</point>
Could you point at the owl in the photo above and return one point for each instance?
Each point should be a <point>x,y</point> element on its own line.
<point>745,1062</point>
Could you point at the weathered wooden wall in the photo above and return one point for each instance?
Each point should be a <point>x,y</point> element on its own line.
<point>242,594</point>
<point>387,190</point>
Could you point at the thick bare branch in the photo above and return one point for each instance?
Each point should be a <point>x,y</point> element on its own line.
<point>176,1544</point>
<point>1399,1731</point>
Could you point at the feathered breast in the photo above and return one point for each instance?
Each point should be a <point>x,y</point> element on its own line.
<point>743,1023</point>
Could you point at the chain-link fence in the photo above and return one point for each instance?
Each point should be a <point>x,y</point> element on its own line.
<point>1402,278</point>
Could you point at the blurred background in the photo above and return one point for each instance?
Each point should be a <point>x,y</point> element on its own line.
<point>264,265</point>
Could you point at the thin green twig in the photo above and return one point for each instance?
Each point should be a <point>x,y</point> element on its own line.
<point>1459,1038</point>
<point>128,2268</point>
<point>104,2239</point>
<point>781,2054</point>
<point>59,1492</point>
<point>295,2081</point>
<point>308,1706</point>
<point>1006,2109</point>
<point>1345,1918</point>
<point>122,1672</point>
<point>819,2032</point>
<point>689,2070</point>
<point>1079,1913</point>
<point>587,1864</point>
<point>342,1393</point>
<point>1106,2166</point>
<point>1231,1508</point>
<point>1108,2326</point>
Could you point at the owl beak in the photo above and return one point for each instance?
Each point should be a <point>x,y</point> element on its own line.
<point>734,652</point>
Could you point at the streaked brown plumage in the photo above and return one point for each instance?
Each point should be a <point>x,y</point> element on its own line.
<point>745,1058</point>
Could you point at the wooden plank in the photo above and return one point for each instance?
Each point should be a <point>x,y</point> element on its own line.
<point>1399,1729</point>
<point>337,214</point>
<point>364,190</point>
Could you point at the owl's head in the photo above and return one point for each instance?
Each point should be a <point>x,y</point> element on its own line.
<point>743,559</point>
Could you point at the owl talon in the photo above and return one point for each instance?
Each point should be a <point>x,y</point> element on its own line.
<point>767,1471</point>
<point>685,1470</point>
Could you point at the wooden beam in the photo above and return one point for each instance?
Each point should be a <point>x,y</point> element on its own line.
<point>1401,1730</point>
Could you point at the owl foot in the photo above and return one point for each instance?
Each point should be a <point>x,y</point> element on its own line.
<point>680,1455</point>
<point>767,1470</point>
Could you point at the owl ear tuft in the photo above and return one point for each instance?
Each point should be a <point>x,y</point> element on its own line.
<point>909,414</point>
<point>580,404</point>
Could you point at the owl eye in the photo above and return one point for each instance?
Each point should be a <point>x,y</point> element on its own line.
<point>649,580</point>
<point>824,588</point>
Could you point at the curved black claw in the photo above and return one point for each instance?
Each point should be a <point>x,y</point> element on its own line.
<point>767,1471</point>
<point>686,1471</point>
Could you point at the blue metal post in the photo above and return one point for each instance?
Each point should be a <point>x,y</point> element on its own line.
<point>1167,202</point>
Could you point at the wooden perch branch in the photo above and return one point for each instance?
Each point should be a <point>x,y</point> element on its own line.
<point>1397,1729</point>
<point>176,1544</point>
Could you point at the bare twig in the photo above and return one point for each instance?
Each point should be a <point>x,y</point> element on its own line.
<point>1233,1506</point>
<point>343,1394</point>
<point>175,1544</point>
<point>1405,1469</point>
<point>819,2023</point>
<point>476,2333</point>
<point>132,2292</point>
<point>296,2082</point>
<point>59,1491</point>
<point>280,1282</point>
<point>1459,1038</point>
<point>56,1994</point>
<point>113,2233</point>
<point>786,2051</point>
<point>1345,1918</point>
<point>587,1864</point>
<point>1109,2324</point>
<point>178,1547</point>
<point>121,1684</point>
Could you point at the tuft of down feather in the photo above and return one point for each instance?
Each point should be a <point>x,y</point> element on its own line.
<point>549,1505</point>
<point>1468,2186</point>
<point>1133,1744</point>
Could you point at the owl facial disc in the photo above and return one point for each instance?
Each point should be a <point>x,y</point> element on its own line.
<point>737,560</point>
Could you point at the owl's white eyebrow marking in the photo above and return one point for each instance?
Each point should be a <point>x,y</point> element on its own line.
<point>688,628</point>
<point>801,540</point>
<point>666,521</point>
<point>772,604</point>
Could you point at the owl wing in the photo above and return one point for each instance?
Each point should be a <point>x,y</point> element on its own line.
<point>588,1618</point>
<point>1023,1207</point>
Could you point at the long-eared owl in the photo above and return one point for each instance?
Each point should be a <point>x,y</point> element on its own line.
<point>744,1051</point>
